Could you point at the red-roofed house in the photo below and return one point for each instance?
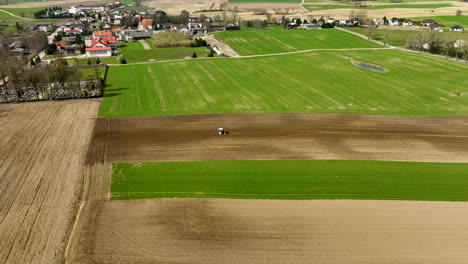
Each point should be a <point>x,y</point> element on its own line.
<point>102,33</point>
<point>104,42</point>
<point>60,45</point>
<point>145,23</point>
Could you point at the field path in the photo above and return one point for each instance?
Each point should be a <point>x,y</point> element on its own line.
<point>145,45</point>
<point>11,14</point>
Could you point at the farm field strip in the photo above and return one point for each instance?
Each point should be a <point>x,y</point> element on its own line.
<point>232,231</point>
<point>448,21</point>
<point>414,84</point>
<point>328,7</point>
<point>44,146</point>
<point>292,179</point>
<point>277,40</point>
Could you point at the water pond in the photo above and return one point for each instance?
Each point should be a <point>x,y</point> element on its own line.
<point>369,67</point>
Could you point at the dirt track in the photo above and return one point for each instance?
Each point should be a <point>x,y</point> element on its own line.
<point>287,136</point>
<point>271,231</point>
<point>43,149</point>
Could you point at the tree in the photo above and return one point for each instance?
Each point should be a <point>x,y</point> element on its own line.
<point>268,16</point>
<point>458,12</point>
<point>385,20</point>
<point>51,49</point>
<point>194,55</point>
<point>123,61</point>
<point>184,15</point>
<point>298,21</point>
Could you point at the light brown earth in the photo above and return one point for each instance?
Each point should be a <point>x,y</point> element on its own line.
<point>287,136</point>
<point>221,45</point>
<point>62,3</point>
<point>43,148</point>
<point>250,231</point>
<point>175,6</point>
<point>278,231</point>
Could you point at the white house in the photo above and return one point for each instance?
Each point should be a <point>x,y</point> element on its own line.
<point>99,52</point>
<point>394,22</point>
<point>330,20</point>
<point>457,28</point>
<point>407,22</point>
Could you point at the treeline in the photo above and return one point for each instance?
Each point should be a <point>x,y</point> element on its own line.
<point>20,82</point>
<point>49,13</point>
<point>428,41</point>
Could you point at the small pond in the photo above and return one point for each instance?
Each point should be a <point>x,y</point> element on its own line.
<point>369,67</point>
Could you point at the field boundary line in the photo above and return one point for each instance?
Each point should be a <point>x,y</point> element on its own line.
<point>302,6</point>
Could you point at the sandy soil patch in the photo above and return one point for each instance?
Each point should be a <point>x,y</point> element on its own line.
<point>287,136</point>
<point>62,3</point>
<point>43,149</point>
<point>221,45</point>
<point>145,45</point>
<point>175,6</point>
<point>278,231</point>
<point>267,6</point>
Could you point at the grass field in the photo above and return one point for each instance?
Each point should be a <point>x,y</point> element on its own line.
<point>134,52</point>
<point>324,81</point>
<point>22,12</point>
<point>397,37</point>
<point>276,40</point>
<point>448,21</point>
<point>331,6</point>
<point>91,72</point>
<point>292,179</point>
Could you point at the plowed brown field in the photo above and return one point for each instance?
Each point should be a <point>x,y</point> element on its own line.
<point>43,148</point>
<point>287,136</point>
<point>271,231</point>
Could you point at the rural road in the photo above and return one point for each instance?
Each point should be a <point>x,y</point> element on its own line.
<point>11,14</point>
<point>145,45</point>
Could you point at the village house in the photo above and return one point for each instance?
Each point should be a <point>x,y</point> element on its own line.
<point>427,22</point>
<point>436,27</point>
<point>457,28</point>
<point>102,34</point>
<point>330,20</point>
<point>99,52</point>
<point>310,26</point>
<point>394,22</point>
<point>145,24</point>
<point>407,23</point>
<point>44,27</point>
<point>85,9</point>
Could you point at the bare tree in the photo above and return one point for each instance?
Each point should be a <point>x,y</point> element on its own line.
<point>458,12</point>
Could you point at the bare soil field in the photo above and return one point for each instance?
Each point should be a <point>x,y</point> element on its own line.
<point>43,150</point>
<point>62,3</point>
<point>287,136</point>
<point>175,6</point>
<point>279,231</point>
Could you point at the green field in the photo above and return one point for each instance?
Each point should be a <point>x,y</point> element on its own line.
<point>319,82</point>
<point>276,40</point>
<point>292,179</point>
<point>22,12</point>
<point>397,37</point>
<point>448,21</point>
<point>327,7</point>
<point>134,52</point>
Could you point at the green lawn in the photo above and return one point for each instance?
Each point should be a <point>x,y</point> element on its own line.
<point>91,72</point>
<point>397,37</point>
<point>331,6</point>
<point>23,12</point>
<point>5,16</point>
<point>318,82</point>
<point>134,52</point>
<point>448,21</point>
<point>276,40</point>
<point>292,179</point>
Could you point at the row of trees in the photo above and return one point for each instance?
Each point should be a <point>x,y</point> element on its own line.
<point>428,40</point>
<point>20,82</point>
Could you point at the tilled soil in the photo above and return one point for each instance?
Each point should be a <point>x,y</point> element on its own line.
<point>43,148</point>
<point>278,231</point>
<point>287,136</point>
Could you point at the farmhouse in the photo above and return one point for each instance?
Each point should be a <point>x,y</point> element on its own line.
<point>44,27</point>
<point>457,28</point>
